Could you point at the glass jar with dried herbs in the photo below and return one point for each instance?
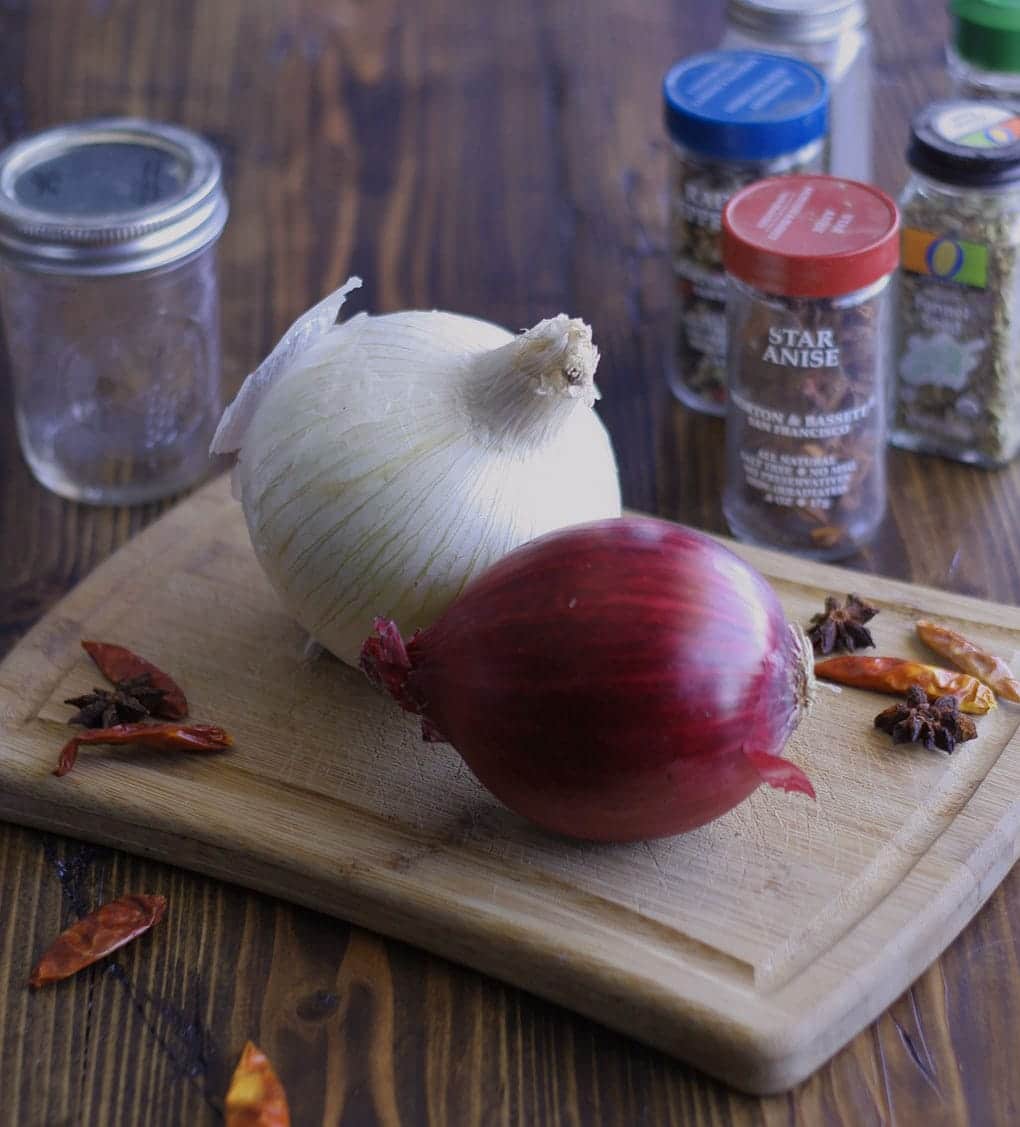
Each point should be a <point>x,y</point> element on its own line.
<point>809,260</point>
<point>734,117</point>
<point>983,52</point>
<point>957,339</point>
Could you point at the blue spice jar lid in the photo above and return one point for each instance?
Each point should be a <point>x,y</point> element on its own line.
<point>744,105</point>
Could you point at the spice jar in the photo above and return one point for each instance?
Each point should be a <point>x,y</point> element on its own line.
<point>809,260</point>
<point>832,35</point>
<point>957,339</point>
<point>734,117</point>
<point>984,50</point>
<point>110,305</point>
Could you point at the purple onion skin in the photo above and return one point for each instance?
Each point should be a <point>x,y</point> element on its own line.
<point>621,680</point>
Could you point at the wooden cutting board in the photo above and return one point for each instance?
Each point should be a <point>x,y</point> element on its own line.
<point>754,947</point>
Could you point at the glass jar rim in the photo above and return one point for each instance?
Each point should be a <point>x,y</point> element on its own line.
<point>172,220</point>
<point>950,188</point>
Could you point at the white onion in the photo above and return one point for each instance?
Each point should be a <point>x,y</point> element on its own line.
<point>384,461</point>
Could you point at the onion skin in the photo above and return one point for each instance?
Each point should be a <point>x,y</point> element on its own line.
<point>620,680</point>
<point>383,462</point>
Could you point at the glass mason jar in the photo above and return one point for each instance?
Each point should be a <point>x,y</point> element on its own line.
<point>108,291</point>
<point>834,37</point>
<point>733,117</point>
<point>957,333</point>
<point>983,53</point>
<point>809,260</point>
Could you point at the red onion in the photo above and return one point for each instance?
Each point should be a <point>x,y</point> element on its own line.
<point>615,681</point>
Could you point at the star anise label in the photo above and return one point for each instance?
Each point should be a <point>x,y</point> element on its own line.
<point>130,701</point>
<point>934,724</point>
<point>841,625</point>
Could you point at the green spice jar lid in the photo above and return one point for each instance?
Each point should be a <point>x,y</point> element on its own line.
<point>810,236</point>
<point>987,33</point>
<point>967,143</point>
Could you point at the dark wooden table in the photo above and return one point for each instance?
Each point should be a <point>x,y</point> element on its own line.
<point>504,160</point>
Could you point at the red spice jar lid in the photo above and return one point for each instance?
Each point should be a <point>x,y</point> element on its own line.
<point>810,236</point>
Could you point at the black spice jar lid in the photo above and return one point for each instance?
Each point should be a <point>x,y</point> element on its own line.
<point>966,143</point>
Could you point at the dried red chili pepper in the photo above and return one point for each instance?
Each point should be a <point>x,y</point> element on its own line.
<point>165,737</point>
<point>256,1097</point>
<point>986,667</point>
<point>95,936</point>
<point>896,675</point>
<point>119,664</point>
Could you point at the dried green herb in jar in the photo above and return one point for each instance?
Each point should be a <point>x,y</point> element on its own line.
<point>734,117</point>
<point>809,260</point>
<point>957,350</point>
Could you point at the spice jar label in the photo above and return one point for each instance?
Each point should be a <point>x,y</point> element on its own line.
<point>956,351</point>
<point>806,417</point>
<point>803,452</point>
<point>977,126</point>
<point>700,194</point>
<point>735,117</point>
<point>702,296</point>
<point>946,329</point>
<point>703,205</point>
<point>801,348</point>
<point>809,260</point>
<point>798,480</point>
<point>953,260</point>
<point>953,326</point>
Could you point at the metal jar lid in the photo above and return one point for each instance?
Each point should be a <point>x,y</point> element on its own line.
<point>113,196</point>
<point>797,21</point>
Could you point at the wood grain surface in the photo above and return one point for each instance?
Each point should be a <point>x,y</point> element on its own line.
<point>505,161</point>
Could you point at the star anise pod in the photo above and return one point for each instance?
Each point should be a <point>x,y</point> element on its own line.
<point>935,724</point>
<point>841,625</point>
<point>130,701</point>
